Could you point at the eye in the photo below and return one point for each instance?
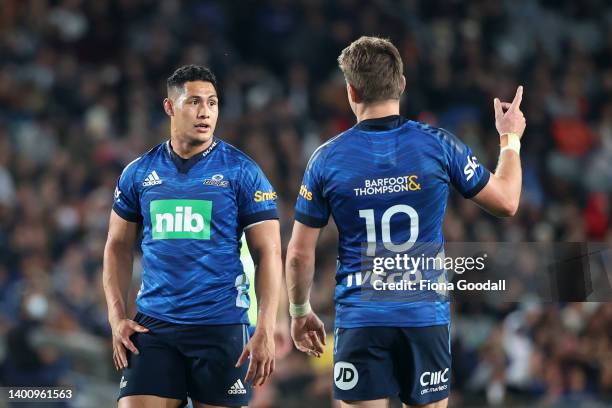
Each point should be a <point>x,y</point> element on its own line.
<point>194,102</point>
<point>212,102</point>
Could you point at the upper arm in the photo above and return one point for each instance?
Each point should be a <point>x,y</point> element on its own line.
<point>493,198</point>
<point>472,179</point>
<point>312,207</point>
<point>126,203</point>
<point>121,232</point>
<point>464,170</point>
<point>256,196</point>
<point>263,237</point>
<point>125,215</point>
<point>303,240</point>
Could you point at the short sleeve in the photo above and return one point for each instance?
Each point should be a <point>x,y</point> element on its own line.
<point>465,172</point>
<point>126,203</point>
<point>256,197</point>
<point>312,208</point>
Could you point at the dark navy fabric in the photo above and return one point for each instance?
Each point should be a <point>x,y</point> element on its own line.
<point>179,361</point>
<point>413,363</point>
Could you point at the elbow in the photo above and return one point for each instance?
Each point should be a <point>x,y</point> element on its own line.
<point>509,208</point>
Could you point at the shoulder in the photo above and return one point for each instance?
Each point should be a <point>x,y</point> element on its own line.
<point>443,137</point>
<point>235,155</point>
<point>322,152</point>
<point>133,166</point>
<point>237,158</point>
<point>142,161</point>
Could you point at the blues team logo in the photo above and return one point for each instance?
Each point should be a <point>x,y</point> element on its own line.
<point>216,180</point>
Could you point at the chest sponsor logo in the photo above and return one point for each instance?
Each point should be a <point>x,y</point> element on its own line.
<point>180,219</point>
<point>264,196</point>
<point>216,180</point>
<point>388,185</point>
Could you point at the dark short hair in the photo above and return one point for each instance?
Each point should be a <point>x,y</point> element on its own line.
<point>373,66</point>
<point>188,73</point>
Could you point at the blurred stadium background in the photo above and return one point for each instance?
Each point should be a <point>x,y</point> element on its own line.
<point>81,85</point>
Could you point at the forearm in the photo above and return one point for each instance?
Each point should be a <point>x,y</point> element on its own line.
<point>283,305</point>
<point>300,274</point>
<point>116,276</point>
<point>267,287</point>
<point>509,172</point>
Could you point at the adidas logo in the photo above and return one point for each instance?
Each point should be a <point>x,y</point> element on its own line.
<point>237,388</point>
<point>152,179</point>
<point>122,383</point>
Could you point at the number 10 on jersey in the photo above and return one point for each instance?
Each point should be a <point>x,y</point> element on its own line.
<point>385,228</point>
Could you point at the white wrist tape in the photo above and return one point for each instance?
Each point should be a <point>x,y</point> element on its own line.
<point>514,143</point>
<point>299,310</point>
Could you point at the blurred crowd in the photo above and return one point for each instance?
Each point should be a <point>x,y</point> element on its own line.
<point>81,90</point>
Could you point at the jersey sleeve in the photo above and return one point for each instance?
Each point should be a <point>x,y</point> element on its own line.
<point>312,208</point>
<point>256,197</point>
<point>126,203</point>
<point>465,172</point>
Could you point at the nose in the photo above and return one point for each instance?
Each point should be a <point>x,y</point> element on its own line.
<point>204,111</point>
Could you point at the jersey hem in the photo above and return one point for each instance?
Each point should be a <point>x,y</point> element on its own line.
<point>390,324</point>
<point>125,215</point>
<point>309,220</point>
<point>259,216</point>
<point>478,187</point>
<point>198,323</point>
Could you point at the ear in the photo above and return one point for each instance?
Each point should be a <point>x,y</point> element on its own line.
<point>402,85</point>
<point>168,107</point>
<point>352,93</point>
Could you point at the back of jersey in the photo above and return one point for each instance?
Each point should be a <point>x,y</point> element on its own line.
<point>385,182</point>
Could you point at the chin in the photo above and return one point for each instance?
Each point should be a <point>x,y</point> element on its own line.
<point>198,139</point>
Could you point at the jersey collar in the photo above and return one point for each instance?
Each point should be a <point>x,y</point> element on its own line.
<point>184,165</point>
<point>381,124</point>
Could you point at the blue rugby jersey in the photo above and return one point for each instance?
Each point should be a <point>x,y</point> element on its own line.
<point>385,182</point>
<point>193,214</point>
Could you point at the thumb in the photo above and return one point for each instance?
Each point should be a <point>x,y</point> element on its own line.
<point>499,113</point>
<point>321,334</point>
<point>138,327</point>
<point>243,357</point>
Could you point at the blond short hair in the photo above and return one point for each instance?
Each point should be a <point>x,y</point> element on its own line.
<point>373,66</point>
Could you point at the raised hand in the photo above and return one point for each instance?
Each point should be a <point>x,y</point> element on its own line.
<point>513,120</point>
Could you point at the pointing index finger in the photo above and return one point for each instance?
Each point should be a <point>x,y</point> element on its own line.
<point>517,98</point>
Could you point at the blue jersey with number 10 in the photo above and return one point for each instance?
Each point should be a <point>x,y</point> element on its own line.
<point>385,181</point>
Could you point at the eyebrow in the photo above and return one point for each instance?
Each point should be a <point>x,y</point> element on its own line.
<point>200,97</point>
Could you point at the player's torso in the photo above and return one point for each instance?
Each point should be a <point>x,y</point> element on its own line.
<point>387,192</point>
<point>385,189</point>
<point>191,243</point>
<point>196,208</point>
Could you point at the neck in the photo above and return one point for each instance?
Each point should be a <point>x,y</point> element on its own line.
<point>376,110</point>
<point>184,149</point>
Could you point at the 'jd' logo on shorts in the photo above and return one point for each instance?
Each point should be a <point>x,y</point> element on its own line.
<point>180,219</point>
<point>346,375</point>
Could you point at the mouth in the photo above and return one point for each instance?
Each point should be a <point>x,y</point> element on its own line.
<point>202,128</point>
